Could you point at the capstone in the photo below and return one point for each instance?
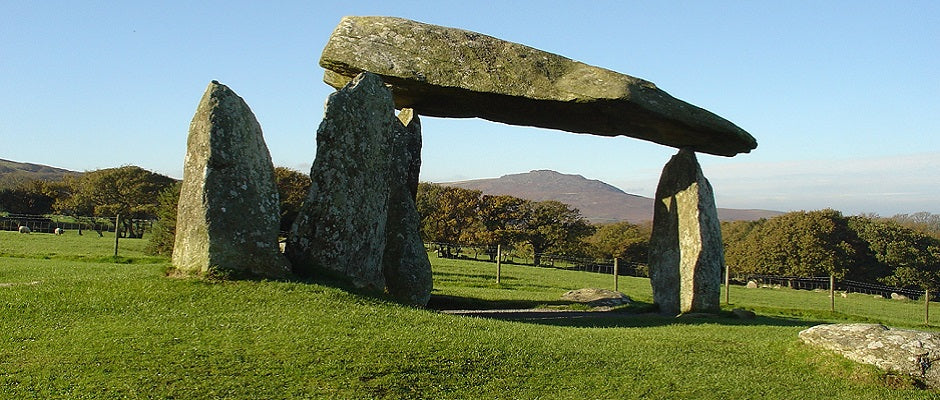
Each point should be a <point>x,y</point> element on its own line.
<point>228,214</point>
<point>448,72</point>
<point>686,253</point>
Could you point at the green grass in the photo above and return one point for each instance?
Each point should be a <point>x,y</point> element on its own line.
<point>82,328</point>
<point>88,247</point>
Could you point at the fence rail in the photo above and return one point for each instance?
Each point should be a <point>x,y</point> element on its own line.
<point>548,260</point>
<point>841,285</point>
<point>870,301</point>
<point>49,223</point>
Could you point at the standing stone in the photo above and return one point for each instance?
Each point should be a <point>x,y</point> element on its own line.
<point>686,254</point>
<point>340,230</point>
<point>406,266</point>
<point>228,215</point>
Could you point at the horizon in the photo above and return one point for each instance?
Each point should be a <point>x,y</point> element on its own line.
<point>567,174</point>
<point>842,96</point>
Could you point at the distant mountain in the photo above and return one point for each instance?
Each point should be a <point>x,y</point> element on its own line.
<point>599,202</point>
<point>12,173</point>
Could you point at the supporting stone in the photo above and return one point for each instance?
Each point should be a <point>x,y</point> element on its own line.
<point>686,253</point>
<point>340,230</point>
<point>359,222</point>
<point>407,269</point>
<point>228,215</point>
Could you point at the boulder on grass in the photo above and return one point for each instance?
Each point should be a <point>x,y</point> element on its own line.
<point>595,297</point>
<point>904,351</point>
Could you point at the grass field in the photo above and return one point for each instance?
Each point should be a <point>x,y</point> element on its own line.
<point>75,322</point>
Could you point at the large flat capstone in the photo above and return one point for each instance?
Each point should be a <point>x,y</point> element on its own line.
<point>448,72</point>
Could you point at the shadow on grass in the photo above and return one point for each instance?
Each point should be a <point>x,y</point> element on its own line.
<point>647,320</point>
<point>637,315</point>
<point>444,302</point>
<point>465,276</point>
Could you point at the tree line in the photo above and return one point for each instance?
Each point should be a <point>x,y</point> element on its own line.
<point>133,193</point>
<point>903,250</point>
<point>128,191</point>
<point>865,248</point>
<point>464,217</point>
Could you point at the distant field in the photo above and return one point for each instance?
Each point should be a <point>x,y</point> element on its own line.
<point>76,326</point>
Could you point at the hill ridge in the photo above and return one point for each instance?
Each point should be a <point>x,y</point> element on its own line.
<point>598,201</point>
<point>14,172</point>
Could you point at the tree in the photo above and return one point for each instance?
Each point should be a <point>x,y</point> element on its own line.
<point>31,197</point>
<point>798,244</point>
<point>448,214</point>
<point>624,240</point>
<point>292,187</point>
<point>909,257</point>
<point>921,221</point>
<point>163,236</point>
<point>129,191</point>
<point>553,225</point>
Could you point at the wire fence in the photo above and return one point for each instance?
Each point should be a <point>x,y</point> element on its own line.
<point>840,285</point>
<point>80,224</point>
<point>851,299</point>
<point>860,300</point>
<point>546,260</point>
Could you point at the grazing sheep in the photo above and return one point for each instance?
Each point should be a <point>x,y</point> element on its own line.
<point>58,231</point>
<point>24,229</point>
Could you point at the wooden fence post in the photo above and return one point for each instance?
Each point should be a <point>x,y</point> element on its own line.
<point>727,284</point>
<point>927,307</point>
<point>616,274</point>
<point>117,221</point>
<point>832,293</point>
<point>499,261</point>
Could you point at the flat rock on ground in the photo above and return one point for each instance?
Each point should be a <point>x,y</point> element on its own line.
<point>898,350</point>
<point>596,297</point>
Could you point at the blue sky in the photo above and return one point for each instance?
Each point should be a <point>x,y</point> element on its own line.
<point>842,96</point>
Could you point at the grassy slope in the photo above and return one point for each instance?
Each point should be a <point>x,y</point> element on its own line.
<point>89,329</point>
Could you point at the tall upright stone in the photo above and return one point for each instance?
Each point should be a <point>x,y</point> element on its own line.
<point>228,215</point>
<point>406,266</point>
<point>686,254</point>
<point>340,230</point>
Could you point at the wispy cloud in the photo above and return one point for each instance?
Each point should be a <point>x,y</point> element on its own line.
<point>886,185</point>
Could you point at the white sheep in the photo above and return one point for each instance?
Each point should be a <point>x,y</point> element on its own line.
<point>24,229</point>
<point>58,231</point>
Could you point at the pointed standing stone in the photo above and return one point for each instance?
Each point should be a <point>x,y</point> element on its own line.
<point>340,230</point>
<point>686,253</point>
<point>228,215</point>
<point>406,266</point>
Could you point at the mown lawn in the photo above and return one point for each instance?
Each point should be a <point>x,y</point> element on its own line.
<point>79,327</point>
